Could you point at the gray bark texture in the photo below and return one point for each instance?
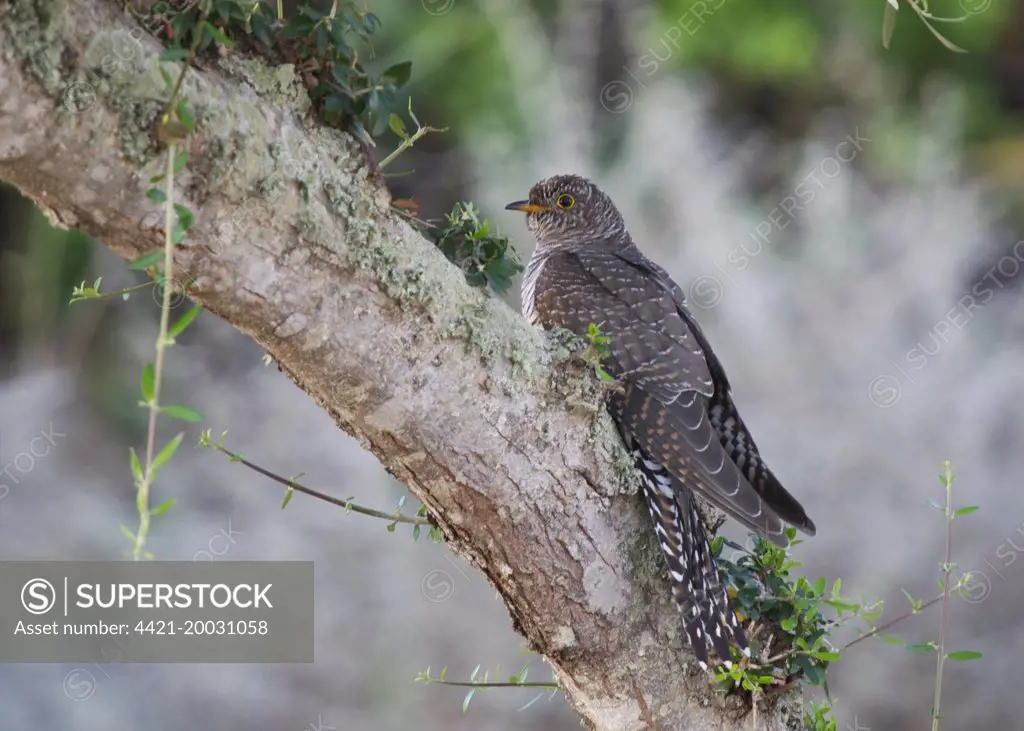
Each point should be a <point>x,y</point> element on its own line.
<point>493,425</point>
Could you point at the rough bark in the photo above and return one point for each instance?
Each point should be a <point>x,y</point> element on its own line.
<point>485,419</point>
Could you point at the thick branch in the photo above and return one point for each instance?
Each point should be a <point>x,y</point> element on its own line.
<point>295,245</point>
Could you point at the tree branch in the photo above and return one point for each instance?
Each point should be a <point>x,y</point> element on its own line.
<point>295,245</point>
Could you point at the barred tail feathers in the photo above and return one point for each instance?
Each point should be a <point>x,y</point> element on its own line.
<point>702,600</point>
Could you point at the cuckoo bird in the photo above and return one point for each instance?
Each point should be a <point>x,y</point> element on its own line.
<point>673,405</point>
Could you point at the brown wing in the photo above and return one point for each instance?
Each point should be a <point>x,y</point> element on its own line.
<point>670,379</point>
<point>650,344</point>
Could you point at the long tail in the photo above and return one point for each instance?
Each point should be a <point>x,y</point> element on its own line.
<point>702,600</point>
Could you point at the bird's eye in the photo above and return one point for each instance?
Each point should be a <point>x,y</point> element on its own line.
<point>565,201</point>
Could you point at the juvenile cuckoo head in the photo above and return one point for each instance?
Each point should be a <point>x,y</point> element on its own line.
<point>674,408</point>
<point>567,210</point>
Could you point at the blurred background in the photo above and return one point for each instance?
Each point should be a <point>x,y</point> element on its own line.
<point>849,223</point>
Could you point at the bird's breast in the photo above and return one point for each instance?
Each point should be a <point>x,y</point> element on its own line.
<point>529,291</point>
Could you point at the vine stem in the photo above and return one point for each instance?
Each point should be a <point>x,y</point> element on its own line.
<point>947,480</point>
<point>186,64</point>
<point>142,498</point>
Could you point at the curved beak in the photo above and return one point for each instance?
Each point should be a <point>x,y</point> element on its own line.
<point>526,207</point>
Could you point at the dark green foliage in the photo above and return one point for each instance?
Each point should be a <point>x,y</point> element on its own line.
<point>487,260</point>
<point>326,48</point>
<point>765,591</point>
<point>597,350</point>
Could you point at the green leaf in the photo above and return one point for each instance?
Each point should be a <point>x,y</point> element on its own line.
<point>180,160</point>
<point>185,216</point>
<point>185,115</point>
<point>161,508</point>
<point>925,647</point>
<point>168,451</point>
<point>127,533</point>
<point>965,511</point>
<point>148,381</point>
<point>176,411</point>
<point>184,321</point>
<point>174,54</point>
<point>168,81</point>
<point>942,39</point>
<point>287,497</point>
<point>416,532</point>
<point>963,655</point>
<point>819,586</point>
<point>217,35</point>
<point>888,24</point>
<point>133,461</point>
<point>398,74</point>
<point>914,603</point>
<point>146,261</point>
<point>397,126</point>
<point>156,195</point>
<point>467,699</point>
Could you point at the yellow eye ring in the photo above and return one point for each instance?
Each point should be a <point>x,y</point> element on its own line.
<point>565,201</point>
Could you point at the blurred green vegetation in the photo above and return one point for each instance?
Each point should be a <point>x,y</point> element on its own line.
<point>780,62</point>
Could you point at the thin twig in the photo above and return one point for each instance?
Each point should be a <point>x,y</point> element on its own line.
<point>348,505</point>
<point>185,65</point>
<point>471,684</point>
<point>142,497</point>
<point>891,622</point>
<point>947,478</point>
<point>111,295</point>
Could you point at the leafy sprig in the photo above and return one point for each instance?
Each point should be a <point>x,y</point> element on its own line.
<point>486,258</point>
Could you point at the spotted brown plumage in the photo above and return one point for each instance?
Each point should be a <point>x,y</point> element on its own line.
<point>674,408</point>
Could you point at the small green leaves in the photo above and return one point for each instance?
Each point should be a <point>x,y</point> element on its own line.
<point>176,411</point>
<point>173,54</point>
<point>83,292</point>
<point>288,492</point>
<point>965,511</point>
<point>217,34</point>
<point>915,604</point>
<point>156,195</point>
<point>168,451</point>
<point>146,260</point>
<point>597,351</point>
<point>486,259</point>
<point>889,22</point>
<point>135,464</point>
<point>963,655</point>
<point>397,126</point>
<point>148,382</point>
<point>180,161</point>
<point>162,508</point>
<point>399,74</point>
<point>185,116</point>
<point>183,322</point>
